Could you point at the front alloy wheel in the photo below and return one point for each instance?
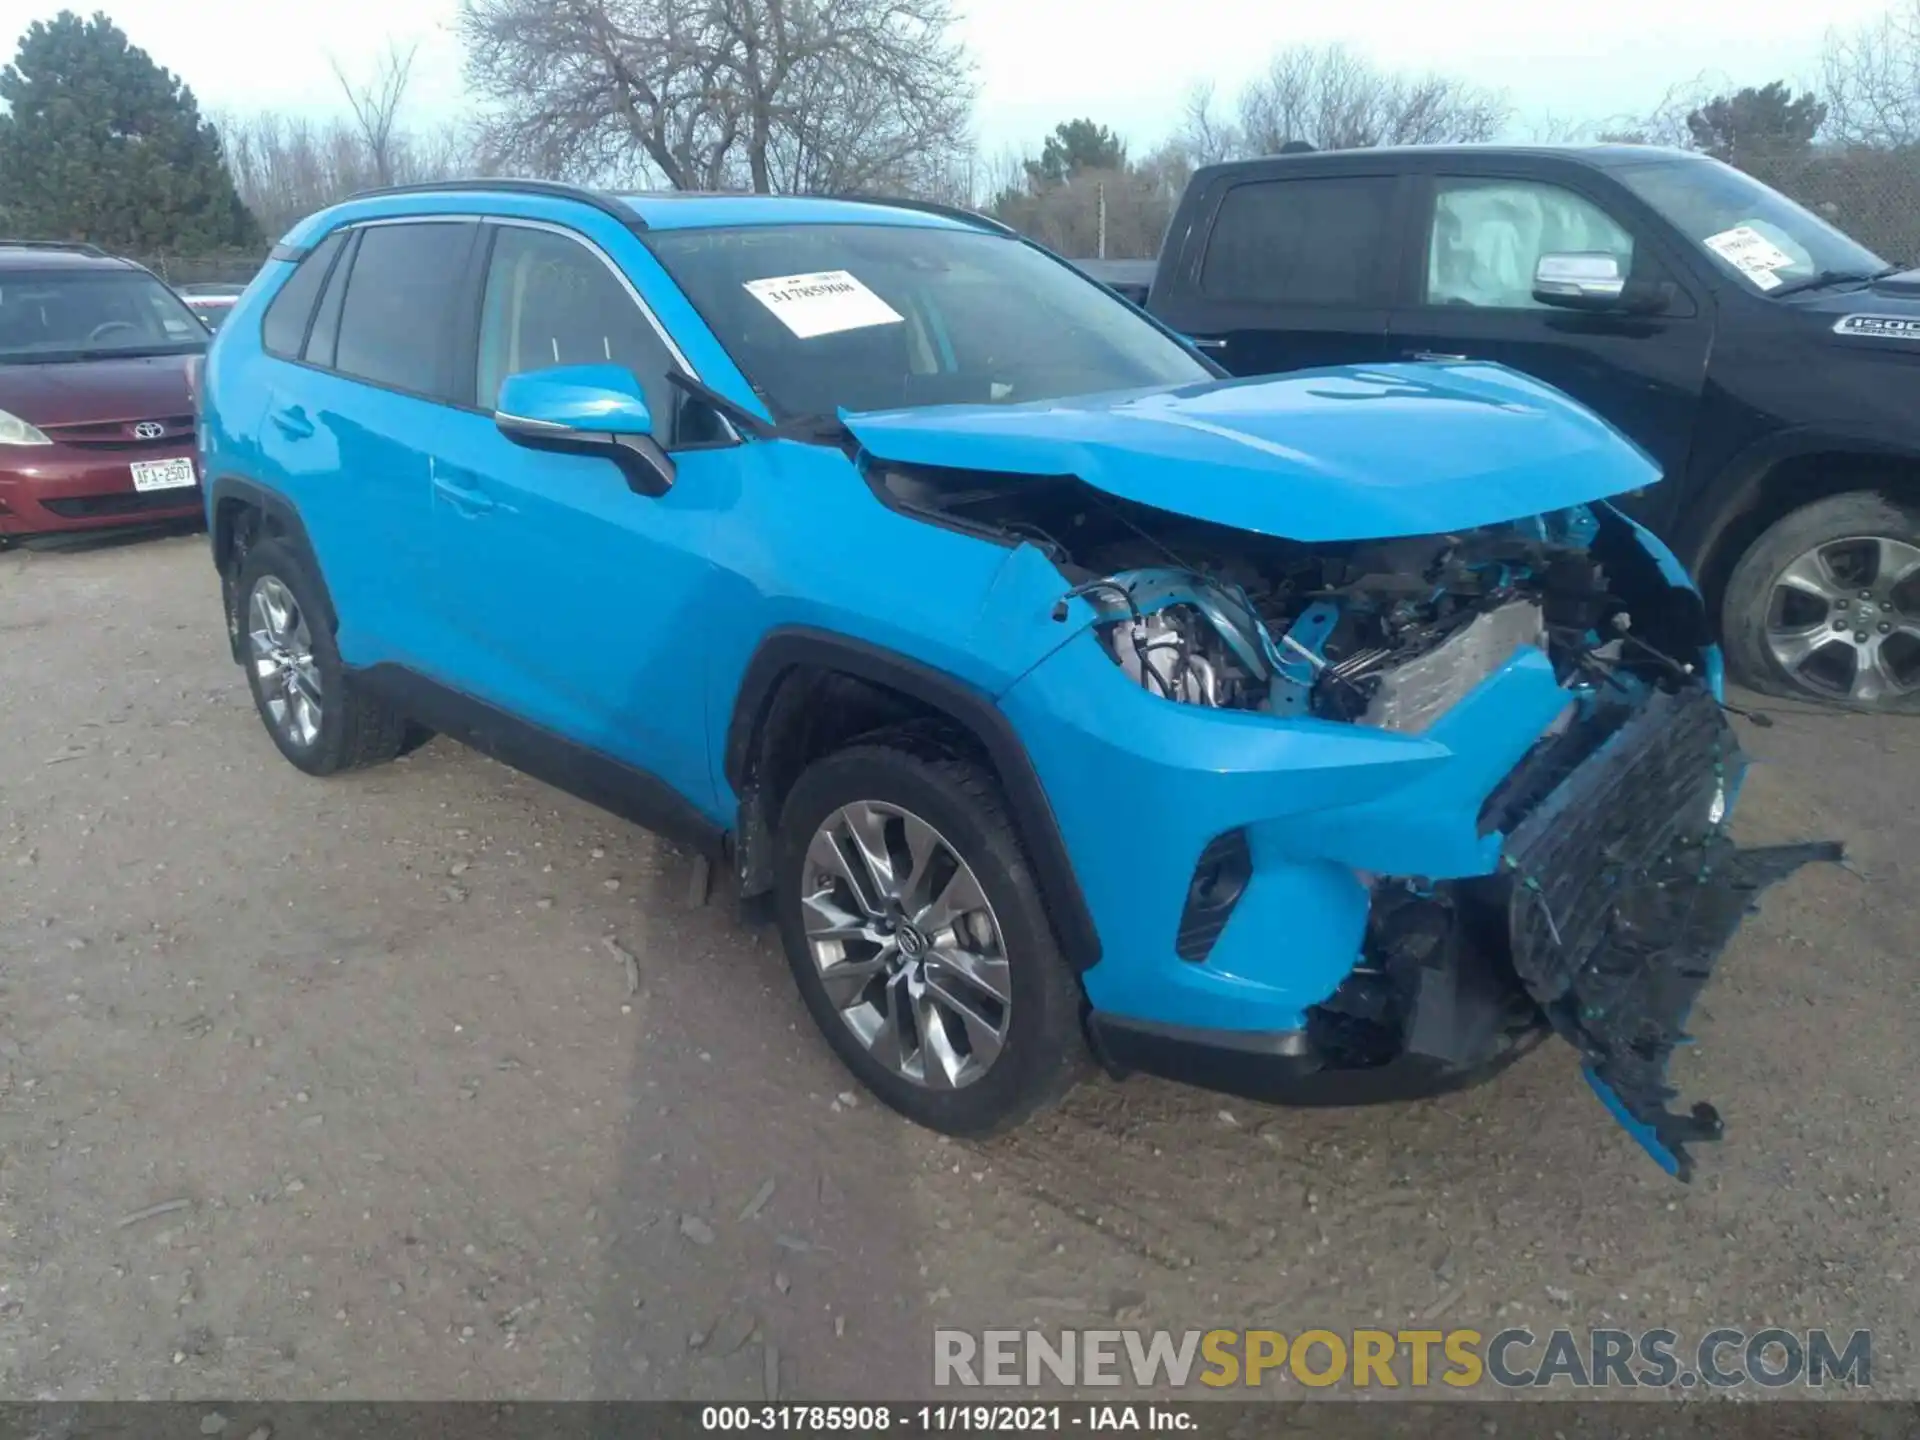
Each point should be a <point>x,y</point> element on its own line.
<point>917,936</point>
<point>906,945</point>
<point>1844,618</point>
<point>280,649</point>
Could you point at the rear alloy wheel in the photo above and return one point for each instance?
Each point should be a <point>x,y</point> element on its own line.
<point>280,650</point>
<point>916,934</point>
<point>318,718</point>
<point>1826,606</point>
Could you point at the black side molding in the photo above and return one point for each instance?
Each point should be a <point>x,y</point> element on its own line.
<point>792,647</point>
<point>621,789</point>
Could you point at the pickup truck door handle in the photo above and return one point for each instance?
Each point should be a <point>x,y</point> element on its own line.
<point>1436,355</point>
<point>464,497</point>
<point>292,422</point>
<point>1209,342</point>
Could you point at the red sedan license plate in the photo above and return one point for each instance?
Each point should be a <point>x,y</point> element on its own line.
<point>162,474</point>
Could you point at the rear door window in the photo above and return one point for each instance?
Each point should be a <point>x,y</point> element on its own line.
<point>1311,241</point>
<point>398,323</point>
<point>284,329</point>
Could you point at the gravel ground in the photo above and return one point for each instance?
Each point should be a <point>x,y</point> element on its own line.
<point>327,1089</point>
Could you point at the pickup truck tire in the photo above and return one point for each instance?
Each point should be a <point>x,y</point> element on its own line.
<point>940,822</point>
<point>1825,606</point>
<point>277,594</point>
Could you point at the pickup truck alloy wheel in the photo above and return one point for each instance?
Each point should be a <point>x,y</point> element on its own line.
<point>1825,605</point>
<point>1844,618</point>
<point>906,944</point>
<point>280,649</point>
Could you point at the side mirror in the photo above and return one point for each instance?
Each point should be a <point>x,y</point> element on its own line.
<point>1579,281</point>
<point>1594,282</point>
<point>586,410</point>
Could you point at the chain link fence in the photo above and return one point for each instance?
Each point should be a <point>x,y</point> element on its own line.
<point>228,269</point>
<point>1873,195</point>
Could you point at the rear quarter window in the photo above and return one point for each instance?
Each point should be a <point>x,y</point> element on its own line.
<point>285,327</point>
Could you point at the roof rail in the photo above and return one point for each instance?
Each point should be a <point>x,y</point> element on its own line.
<point>931,207</point>
<point>77,247</point>
<point>556,189</point>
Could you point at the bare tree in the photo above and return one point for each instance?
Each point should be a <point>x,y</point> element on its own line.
<point>715,94</point>
<point>1333,98</point>
<point>376,106</point>
<point>288,166</point>
<point>1206,137</point>
<point>1872,80</point>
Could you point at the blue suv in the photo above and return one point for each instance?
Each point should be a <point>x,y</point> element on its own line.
<point>1319,738</point>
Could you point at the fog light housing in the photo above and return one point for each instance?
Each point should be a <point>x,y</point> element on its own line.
<point>1219,880</point>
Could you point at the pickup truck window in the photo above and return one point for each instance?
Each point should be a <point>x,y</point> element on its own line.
<point>821,318</point>
<point>1301,242</point>
<point>1714,205</point>
<point>1486,237</point>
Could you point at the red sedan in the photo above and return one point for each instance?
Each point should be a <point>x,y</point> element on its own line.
<point>96,415</point>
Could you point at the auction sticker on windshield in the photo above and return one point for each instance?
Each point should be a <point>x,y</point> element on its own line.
<point>162,474</point>
<point>823,303</point>
<point>1751,253</point>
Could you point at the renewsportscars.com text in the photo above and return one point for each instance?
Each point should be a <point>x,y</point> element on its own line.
<point>1516,1358</point>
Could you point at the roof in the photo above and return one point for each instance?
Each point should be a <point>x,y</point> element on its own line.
<point>43,258</point>
<point>681,210</point>
<point>1603,157</point>
<point>651,210</point>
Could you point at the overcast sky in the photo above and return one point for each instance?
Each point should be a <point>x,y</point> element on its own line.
<point>1125,63</point>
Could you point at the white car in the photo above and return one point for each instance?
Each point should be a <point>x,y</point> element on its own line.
<point>210,302</point>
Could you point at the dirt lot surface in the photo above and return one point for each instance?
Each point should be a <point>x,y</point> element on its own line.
<point>326,1089</point>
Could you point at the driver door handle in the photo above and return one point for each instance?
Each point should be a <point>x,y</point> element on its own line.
<point>466,499</point>
<point>1209,342</point>
<point>1437,355</point>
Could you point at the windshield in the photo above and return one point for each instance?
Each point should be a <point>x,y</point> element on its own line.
<point>80,314</point>
<point>879,317</point>
<point>1749,230</point>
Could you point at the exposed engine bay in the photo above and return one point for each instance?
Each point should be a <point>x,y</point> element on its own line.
<point>1389,633</point>
<point>1611,886</point>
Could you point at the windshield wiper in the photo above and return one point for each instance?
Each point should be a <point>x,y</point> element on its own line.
<point>1833,277</point>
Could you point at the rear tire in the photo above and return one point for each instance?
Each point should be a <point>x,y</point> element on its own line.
<point>1803,596</point>
<point>318,718</point>
<point>907,777</point>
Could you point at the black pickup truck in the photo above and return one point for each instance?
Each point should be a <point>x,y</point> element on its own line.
<point>1768,363</point>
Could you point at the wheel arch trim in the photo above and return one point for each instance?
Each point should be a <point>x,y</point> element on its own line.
<point>281,513</point>
<point>791,648</point>
<point>1729,496</point>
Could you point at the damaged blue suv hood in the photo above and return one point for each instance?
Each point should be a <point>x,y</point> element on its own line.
<point>1347,454</point>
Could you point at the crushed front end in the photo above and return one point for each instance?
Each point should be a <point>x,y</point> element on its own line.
<point>1366,821</point>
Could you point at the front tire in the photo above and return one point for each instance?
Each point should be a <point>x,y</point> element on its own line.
<point>1825,606</point>
<point>916,934</point>
<point>314,713</point>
